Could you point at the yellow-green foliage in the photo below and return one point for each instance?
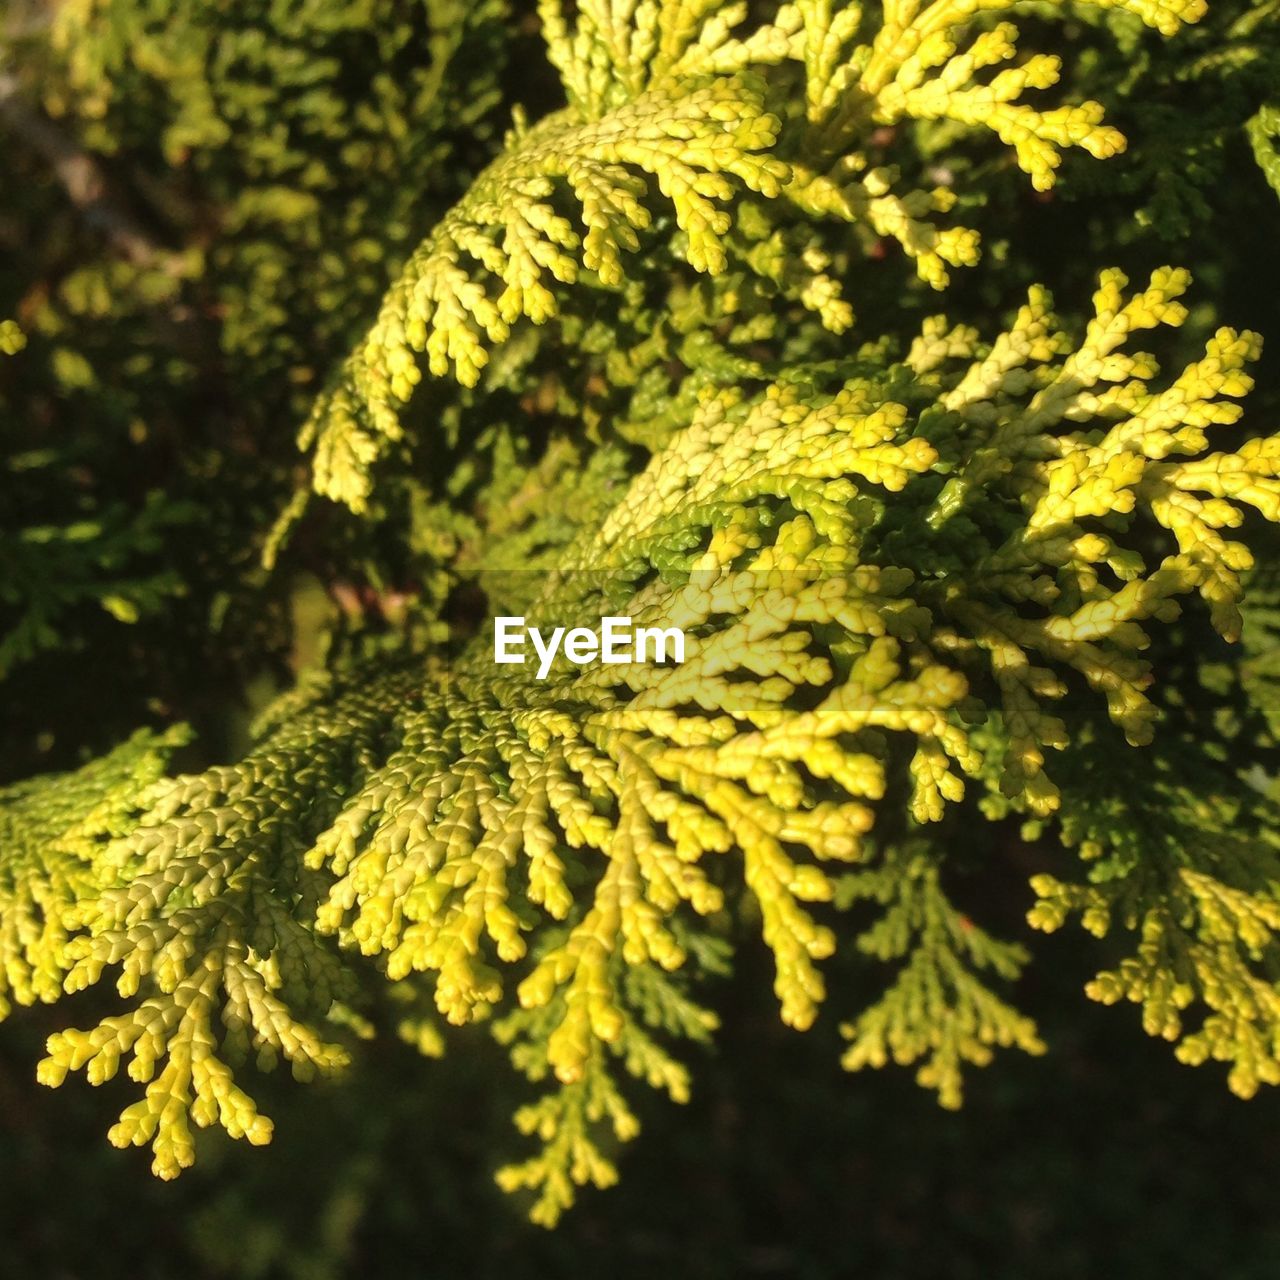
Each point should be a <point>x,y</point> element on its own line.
<point>1186,860</point>
<point>888,577</point>
<point>920,584</point>
<point>206,910</point>
<point>688,106</point>
<point>1263,129</point>
<point>50,832</point>
<point>939,1008</point>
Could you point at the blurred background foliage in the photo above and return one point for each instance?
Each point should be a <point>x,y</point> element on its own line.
<point>200,208</point>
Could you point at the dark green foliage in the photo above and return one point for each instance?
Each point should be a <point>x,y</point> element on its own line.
<point>199,217</point>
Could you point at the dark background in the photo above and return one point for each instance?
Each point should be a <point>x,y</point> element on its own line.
<point>1105,1157</point>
